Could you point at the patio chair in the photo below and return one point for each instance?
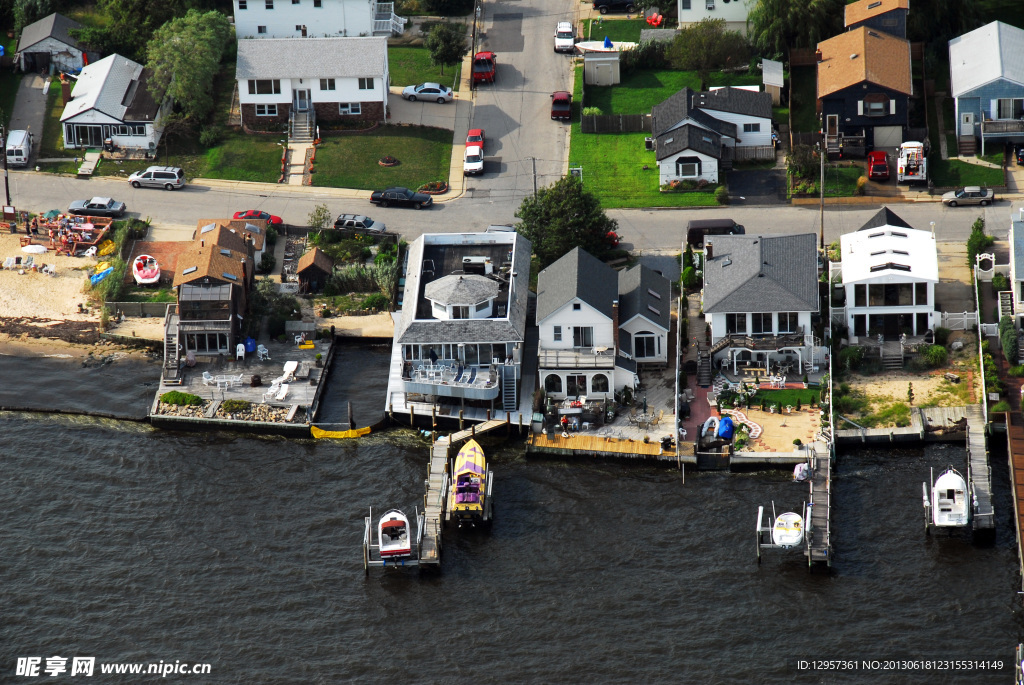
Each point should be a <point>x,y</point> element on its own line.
<point>282,393</point>
<point>9,263</point>
<point>208,378</point>
<point>240,351</point>
<point>472,376</point>
<point>263,353</point>
<point>91,252</point>
<point>274,388</point>
<point>289,369</point>
<point>28,262</point>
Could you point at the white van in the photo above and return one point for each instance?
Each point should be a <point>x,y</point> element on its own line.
<point>19,147</point>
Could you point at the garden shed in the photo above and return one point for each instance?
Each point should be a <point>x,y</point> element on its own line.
<point>601,68</point>
<point>313,269</point>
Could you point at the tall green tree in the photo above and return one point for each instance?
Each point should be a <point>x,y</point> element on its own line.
<point>184,55</point>
<point>944,20</point>
<point>563,216</point>
<point>28,11</point>
<point>447,44</point>
<point>775,26</point>
<point>132,23</point>
<point>706,46</point>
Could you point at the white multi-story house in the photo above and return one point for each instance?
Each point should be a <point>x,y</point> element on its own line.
<point>325,79</point>
<point>323,18</point>
<point>889,271</point>
<point>733,11</point>
<point>595,325</point>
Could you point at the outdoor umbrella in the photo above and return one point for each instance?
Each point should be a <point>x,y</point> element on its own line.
<point>52,214</point>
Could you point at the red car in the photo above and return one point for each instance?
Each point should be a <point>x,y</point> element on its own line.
<point>484,66</point>
<point>257,214</point>
<point>475,138</point>
<point>561,105</point>
<point>878,166</point>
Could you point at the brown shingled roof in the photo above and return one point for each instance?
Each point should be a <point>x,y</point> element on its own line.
<point>211,262</point>
<point>259,237</point>
<point>865,9</point>
<point>223,236</point>
<point>864,55</point>
<point>315,258</point>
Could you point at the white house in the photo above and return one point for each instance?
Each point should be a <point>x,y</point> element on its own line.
<point>760,293</point>
<point>325,79</point>
<point>1016,240</point>
<point>112,101</point>
<point>749,110</point>
<point>889,272</point>
<point>47,43</point>
<point>688,153</point>
<point>734,12</point>
<point>321,18</point>
<point>644,315</point>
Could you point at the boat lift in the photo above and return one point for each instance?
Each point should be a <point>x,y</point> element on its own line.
<point>370,548</point>
<point>928,490</point>
<point>764,532</point>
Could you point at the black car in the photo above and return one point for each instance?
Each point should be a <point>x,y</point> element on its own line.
<point>400,197</point>
<point>1020,155</point>
<point>606,6</point>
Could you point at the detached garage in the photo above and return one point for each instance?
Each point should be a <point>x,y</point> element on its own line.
<point>601,68</point>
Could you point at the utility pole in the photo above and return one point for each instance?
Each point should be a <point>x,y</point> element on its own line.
<point>821,229</point>
<point>472,54</point>
<point>533,159</point>
<point>3,151</point>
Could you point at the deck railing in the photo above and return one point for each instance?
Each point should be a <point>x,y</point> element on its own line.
<point>577,358</point>
<point>996,126</point>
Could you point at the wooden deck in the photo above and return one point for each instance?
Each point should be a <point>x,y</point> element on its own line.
<point>1015,440</point>
<point>819,534</point>
<point>586,444</point>
<point>979,474</point>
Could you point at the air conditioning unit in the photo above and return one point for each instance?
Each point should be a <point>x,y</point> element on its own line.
<point>710,6</point>
<point>482,266</point>
<point>649,143</point>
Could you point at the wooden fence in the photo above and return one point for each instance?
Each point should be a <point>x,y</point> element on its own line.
<point>616,123</point>
<point>740,153</point>
<point>155,309</point>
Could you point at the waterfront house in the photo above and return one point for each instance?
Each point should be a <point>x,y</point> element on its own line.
<point>734,13</point>
<point>1016,240</point>
<point>112,102</point>
<point>255,230</point>
<point>460,335</point>
<point>889,271</point>
<point>889,16</point>
<point>313,270</point>
<point>303,83</point>
<point>986,80</point>
<point>48,42</point>
<point>760,294</point>
<point>320,18</point>
<point>864,88</point>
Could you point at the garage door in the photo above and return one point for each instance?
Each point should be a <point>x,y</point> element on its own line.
<point>888,136</point>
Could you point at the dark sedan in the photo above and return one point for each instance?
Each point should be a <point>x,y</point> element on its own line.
<point>401,197</point>
<point>97,206</point>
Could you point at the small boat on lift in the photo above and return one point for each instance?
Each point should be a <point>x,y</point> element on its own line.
<point>710,427</point>
<point>146,270</point>
<point>394,535</point>
<point>948,505</point>
<point>788,530</point>
<point>470,489</point>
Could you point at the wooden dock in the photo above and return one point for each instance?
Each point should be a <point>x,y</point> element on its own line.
<point>1015,440</point>
<point>979,474</point>
<point>585,444</point>
<point>819,532</point>
<point>435,498</point>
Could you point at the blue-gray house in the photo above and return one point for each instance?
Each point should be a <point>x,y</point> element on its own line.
<point>889,16</point>
<point>986,78</point>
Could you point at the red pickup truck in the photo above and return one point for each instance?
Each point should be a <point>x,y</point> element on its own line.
<point>484,66</point>
<point>561,105</point>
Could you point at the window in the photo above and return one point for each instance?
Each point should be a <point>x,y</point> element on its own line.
<point>582,336</point>
<point>685,4</point>
<point>243,4</point>
<point>576,306</point>
<point>752,128</point>
<point>654,294</point>
<point>576,385</point>
<point>761,323</point>
<point>270,4</point>
<point>1010,108</point>
<point>599,383</point>
<point>553,383</point>
<point>644,345</point>
<point>261,29</point>
<point>298,27</point>
<point>876,295</point>
<point>735,324</point>
<point>460,312</point>
<point>318,3</point>
<point>788,322</point>
<point>876,105</point>
<point>326,84</point>
<point>366,84</point>
<point>483,306</point>
<point>558,334</point>
<point>266,110</point>
<point>349,108</point>
<point>295,2</point>
<point>264,87</point>
<point>920,294</point>
<point>687,167</point>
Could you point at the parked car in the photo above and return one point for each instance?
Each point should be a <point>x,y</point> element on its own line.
<point>428,91</point>
<point>696,229</point>
<point>970,195</point>
<point>475,137</point>
<point>400,197</point>
<point>565,37</point>
<point>606,6</point>
<point>358,222</point>
<point>878,165</point>
<point>166,177</point>
<point>272,219</point>
<point>473,163</point>
<point>485,66</point>
<point>561,105</point>
<point>98,206</point>
<point>1020,155</point>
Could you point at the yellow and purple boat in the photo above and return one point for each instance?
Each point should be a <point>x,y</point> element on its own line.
<point>469,493</point>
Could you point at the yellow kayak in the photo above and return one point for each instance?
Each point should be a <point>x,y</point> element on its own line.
<point>321,433</point>
<point>102,266</point>
<point>106,247</point>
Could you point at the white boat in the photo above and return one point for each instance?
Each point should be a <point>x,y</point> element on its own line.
<point>949,503</point>
<point>394,535</point>
<point>145,269</point>
<point>710,427</point>
<point>788,530</point>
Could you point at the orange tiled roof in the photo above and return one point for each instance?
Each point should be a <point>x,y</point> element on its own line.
<point>865,9</point>
<point>864,55</point>
<point>212,261</point>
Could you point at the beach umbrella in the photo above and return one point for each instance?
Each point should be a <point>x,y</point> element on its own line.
<point>52,214</point>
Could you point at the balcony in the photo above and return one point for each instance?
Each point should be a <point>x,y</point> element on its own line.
<point>1001,126</point>
<point>451,380</point>
<point>764,342</point>
<point>577,358</point>
<point>386,22</point>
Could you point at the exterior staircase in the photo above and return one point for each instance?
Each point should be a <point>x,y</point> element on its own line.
<point>966,145</point>
<point>1005,303</point>
<point>892,355</point>
<point>509,388</point>
<point>171,370</point>
<point>704,371</point>
<point>302,127</point>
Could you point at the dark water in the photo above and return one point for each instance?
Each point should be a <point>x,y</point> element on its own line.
<point>130,544</point>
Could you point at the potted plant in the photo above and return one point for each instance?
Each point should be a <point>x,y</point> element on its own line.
<point>806,380</point>
<point>319,360</point>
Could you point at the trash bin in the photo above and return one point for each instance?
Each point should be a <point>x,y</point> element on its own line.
<point>250,345</point>
<point>257,381</point>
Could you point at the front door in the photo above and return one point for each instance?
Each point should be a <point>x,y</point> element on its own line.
<point>967,124</point>
<point>302,100</point>
<point>832,124</point>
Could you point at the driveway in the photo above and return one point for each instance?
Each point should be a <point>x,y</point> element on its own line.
<point>30,110</point>
<point>422,113</point>
<point>757,187</point>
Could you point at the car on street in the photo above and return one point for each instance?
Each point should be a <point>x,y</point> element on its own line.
<point>97,206</point>
<point>400,197</point>
<point>878,165</point>
<point>485,66</point>
<point>561,105</point>
<point>359,223</point>
<point>475,137</point>
<point>166,177</point>
<point>474,160</point>
<point>565,37</point>
<point>969,195</point>
<point>1020,155</point>
<point>428,91</point>
<point>272,219</point>
<point>606,6</point>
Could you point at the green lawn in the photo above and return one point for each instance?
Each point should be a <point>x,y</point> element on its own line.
<point>994,158</point>
<point>243,157</point>
<point>619,30</point>
<point>350,161</point>
<point>88,15</point>
<point>803,95</point>
<point>411,66</point>
<point>641,90</point>
<point>788,396</point>
<point>947,173</point>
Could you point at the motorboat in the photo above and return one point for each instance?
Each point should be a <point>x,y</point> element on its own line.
<point>146,270</point>
<point>394,535</point>
<point>467,497</point>
<point>788,530</point>
<point>948,505</point>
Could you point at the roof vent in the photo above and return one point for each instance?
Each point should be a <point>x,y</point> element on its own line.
<point>189,270</point>
<point>853,56</point>
<point>874,5</point>
<point>726,262</point>
<point>873,34</point>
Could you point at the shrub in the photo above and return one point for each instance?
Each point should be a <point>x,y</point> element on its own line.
<point>377,301</point>
<point>689,279</point>
<point>181,398</point>
<point>1008,337</point>
<point>941,335</point>
<point>935,356</point>
<point>798,442</point>
<point>1016,371</point>
<point>978,242</point>
<point>851,357</point>
<point>592,111</point>
<point>1000,283</point>
<point>211,136</point>
<point>1002,405</point>
<point>267,262</point>
<point>271,236</point>
<point>722,195</point>
<point>862,183</point>
<point>235,406</point>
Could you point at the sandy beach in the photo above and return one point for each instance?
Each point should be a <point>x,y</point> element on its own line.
<point>35,295</point>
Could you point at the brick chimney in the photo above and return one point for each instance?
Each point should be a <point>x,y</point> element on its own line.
<point>817,56</point>
<point>708,252</point>
<point>65,92</point>
<point>615,325</point>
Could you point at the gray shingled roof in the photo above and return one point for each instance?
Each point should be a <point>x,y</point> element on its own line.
<point>461,289</point>
<point>884,217</point>
<point>1017,249</point>
<point>737,101</point>
<point>277,58</point>
<point>751,273</point>
<point>54,26</point>
<point>688,137</point>
<point>635,298</point>
<point>512,329</point>
<point>577,274</point>
<point>679,106</point>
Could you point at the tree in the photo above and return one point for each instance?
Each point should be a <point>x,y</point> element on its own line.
<point>775,26</point>
<point>706,46</point>
<point>184,55</point>
<point>28,11</point>
<point>447,44</point>
<point>563,216</point>
<point>132,24</point>
<point>319,218</point>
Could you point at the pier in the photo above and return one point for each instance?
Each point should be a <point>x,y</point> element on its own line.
<point>819,526</point>
<point>1015,444</point>
<point>979,474</point>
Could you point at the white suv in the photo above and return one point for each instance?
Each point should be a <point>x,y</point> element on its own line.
<point>565,37</point>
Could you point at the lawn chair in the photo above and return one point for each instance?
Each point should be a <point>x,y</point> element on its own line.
<point>91,252</point>
<point>28,262</point>
<point>240,351</point>
<point>9,263</point>
<point>208,378</point>
<point>274,388</point>
<point>263,353</point>
<point>49,269</point>
<point>283,393</point>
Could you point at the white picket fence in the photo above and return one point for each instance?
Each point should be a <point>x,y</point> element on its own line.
<point>959,321</point>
